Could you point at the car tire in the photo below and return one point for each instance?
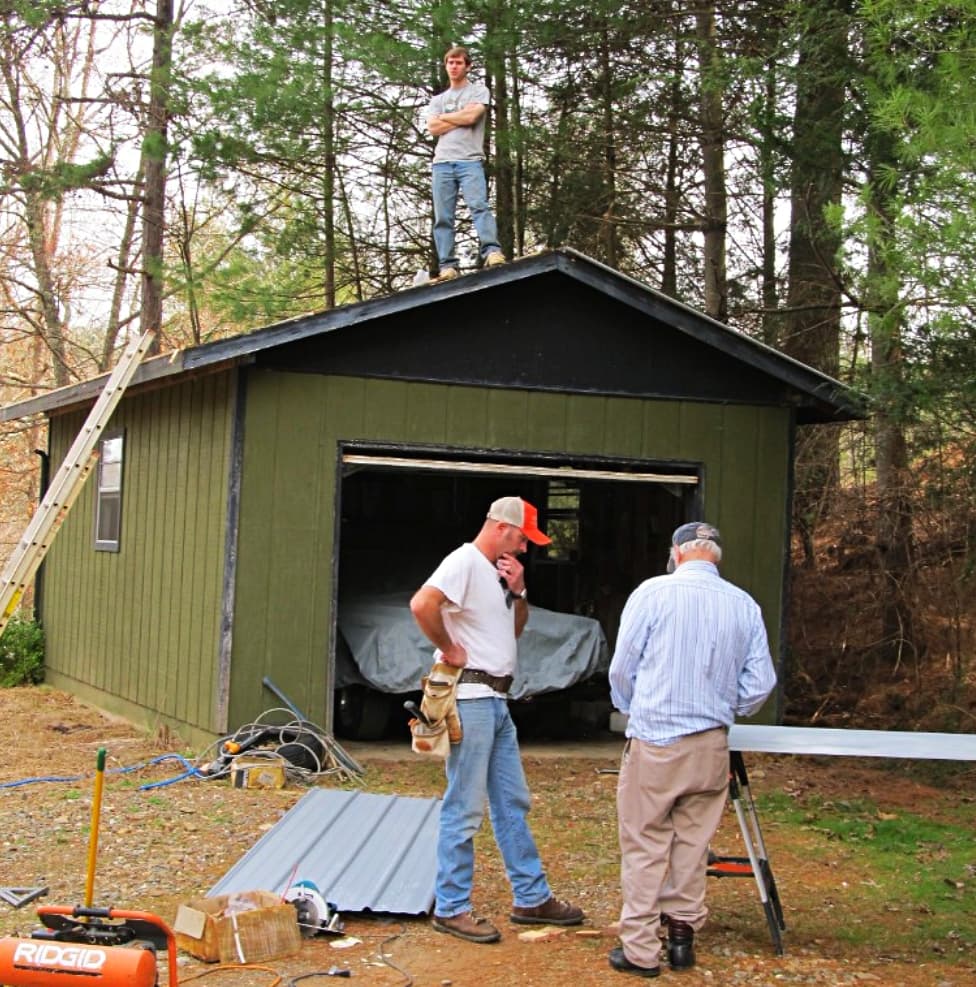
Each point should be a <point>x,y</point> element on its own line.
<point>361,713</point>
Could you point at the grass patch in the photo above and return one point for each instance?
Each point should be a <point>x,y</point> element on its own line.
<point>920,872</point>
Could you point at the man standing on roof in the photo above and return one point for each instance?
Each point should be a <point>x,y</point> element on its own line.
<point>691,655</point>
<point>456,117</point>
<point>473,608</point>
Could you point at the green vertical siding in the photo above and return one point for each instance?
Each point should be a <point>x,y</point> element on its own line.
<point>544,425</point>
<point>284,599</point>
<point>661,431</point>
<point>748,501</point>
<point>137,631</point>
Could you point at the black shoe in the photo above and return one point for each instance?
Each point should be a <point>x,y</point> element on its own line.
<point>681,945</point>
<point>619,962</point>
<point>681,955</point>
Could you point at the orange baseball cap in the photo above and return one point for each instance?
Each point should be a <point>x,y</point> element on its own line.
<point>522,515</point>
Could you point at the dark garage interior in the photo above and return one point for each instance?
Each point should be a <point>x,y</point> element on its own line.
<point>402,511</point>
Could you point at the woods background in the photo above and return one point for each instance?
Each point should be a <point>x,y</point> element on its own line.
<point>803,171</point>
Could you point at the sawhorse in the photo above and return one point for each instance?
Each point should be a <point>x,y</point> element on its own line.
<point>756,863</point>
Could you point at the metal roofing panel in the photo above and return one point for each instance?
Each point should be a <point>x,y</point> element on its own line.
<point>364,852</point>
<point>856,743</point>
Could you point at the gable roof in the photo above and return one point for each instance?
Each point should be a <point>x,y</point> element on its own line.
<point>554,321</point>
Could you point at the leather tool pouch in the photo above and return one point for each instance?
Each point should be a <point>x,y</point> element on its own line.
<point>439,706</point>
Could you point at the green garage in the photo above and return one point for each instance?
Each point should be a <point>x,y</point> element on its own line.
<point>259,482</point>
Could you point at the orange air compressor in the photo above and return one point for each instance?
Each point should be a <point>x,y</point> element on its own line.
<point>106,947</point>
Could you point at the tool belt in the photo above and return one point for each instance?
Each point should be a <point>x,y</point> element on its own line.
<point>439,726</point>
<point>500,683</point>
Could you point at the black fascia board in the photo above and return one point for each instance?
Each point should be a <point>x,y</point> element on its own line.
<point>825,390</point>
<point>826,399</point>
<point>318,323</point>
<point>819,398</point>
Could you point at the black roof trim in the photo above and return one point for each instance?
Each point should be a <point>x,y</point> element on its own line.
<point>824,398</point>
<point>150,370</point>
<point>705,329</point>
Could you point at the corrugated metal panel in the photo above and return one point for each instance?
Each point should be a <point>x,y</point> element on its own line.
<point>363,852</point>
<point>856,743</point>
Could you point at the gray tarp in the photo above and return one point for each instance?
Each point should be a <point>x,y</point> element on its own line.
<point>387,650</point>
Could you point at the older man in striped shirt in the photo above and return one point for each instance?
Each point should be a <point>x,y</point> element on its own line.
<point>691,655</point>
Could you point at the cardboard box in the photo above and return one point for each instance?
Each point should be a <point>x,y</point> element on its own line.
<point>257,772</point>
<point>245,927</point>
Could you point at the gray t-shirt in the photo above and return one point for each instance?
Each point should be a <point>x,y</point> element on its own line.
<point>461,143</point>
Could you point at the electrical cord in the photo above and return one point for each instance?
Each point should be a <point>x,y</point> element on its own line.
<point>302,739</point>
<point>221,967</point>
<point>381,954</point>
<point>32,781</point>
<point>408,978</point>
<point>332,972</point>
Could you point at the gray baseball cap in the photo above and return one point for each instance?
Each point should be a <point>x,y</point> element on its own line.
<point>693,531</point>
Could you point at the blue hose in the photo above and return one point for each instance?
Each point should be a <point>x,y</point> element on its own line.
<point>190,772</point>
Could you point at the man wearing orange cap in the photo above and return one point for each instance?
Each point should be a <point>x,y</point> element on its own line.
<point>473,608</point>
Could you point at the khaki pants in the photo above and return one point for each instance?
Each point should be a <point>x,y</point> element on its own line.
<point>669,804</point>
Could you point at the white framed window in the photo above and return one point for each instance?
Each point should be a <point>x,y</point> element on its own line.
<point>108,494</point>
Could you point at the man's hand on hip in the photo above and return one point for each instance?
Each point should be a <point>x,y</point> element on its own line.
<point>455,655</point>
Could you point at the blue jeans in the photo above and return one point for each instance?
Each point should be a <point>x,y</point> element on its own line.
<point>486,764</point>
<point>468,178</point>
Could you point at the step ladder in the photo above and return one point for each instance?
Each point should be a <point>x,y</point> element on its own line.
<point>67,483</point>
<point>756,864</point>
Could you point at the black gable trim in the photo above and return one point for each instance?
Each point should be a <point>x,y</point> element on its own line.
<point>548,333</point>
<point>554,321</point>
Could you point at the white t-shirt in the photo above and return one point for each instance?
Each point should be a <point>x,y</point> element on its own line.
<point>476,615</point>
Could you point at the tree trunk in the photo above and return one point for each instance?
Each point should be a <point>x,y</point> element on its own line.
<point>895,541</point>
<point>503,173</point>
<point>608,235</point>
<point>518,178</point>
<point>154,169</point>
<point>767,165</point>
<point>812,332</point>
<point>672,195</point>
<point>713,163</point>
<point>122,259</point>
<point>41,239</point>
<point>329,153</point>
<point>51,323</point>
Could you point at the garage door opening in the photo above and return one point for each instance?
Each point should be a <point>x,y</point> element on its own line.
<point>401,512</point>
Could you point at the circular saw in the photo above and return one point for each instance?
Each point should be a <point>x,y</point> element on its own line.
<point>315,914</point>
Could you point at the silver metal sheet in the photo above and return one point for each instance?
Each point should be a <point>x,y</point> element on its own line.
<point>856,743</point>
<point>364,852</point>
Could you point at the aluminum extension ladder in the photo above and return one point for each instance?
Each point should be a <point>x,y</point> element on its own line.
<point>67,483</point>
<point>756,863</point>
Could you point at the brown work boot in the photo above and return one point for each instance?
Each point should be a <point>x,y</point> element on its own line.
<point>551,912</point>
<point>495,259</point>
<point>467,926</point>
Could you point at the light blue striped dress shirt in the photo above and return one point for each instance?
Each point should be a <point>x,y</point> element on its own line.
<point>691,655</point>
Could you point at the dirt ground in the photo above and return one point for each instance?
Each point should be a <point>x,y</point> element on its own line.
<point>162,847</point>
